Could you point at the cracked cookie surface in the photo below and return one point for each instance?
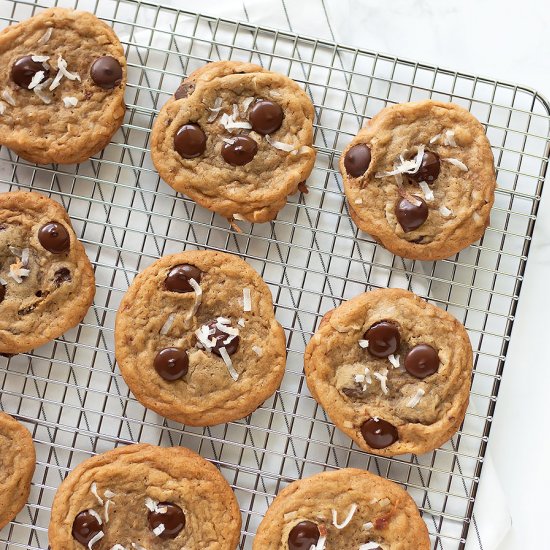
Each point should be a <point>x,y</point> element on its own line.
<point>75,68</point>
<point>237,139</point>
<point>392,371</point>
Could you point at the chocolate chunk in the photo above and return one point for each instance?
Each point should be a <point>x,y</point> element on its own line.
<point>171,363</point>
<point>357,160</point>
<point>421,361</point>
<point>61,276</point>
<point>353,393</point>
<point>190,141</point>
<point>185,90</point>
<point>54,237</point>
<point>411,216</point>
<point>85,527</point>
<point>220,337</point>
<point>179,276</point>
<point>2,293</point>
<point>378,433</point>
<point>429,168</point>
<point>265,116</point>
<point>240,151</point>
<point>383,338</point>
<point>303,536</point>
<point>24,69</point>
<point>169,515</point>
<point>106,72</point>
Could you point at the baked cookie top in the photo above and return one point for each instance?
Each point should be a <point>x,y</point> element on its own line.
<point>145,497</point>
<point>392,371</point>
<point>62,81</point>
<point>236,138</point>
<point>17,461</point>
<point>46,280</point>
<point>349,508</point>
<point>196,338</point>
<point>420,178</point>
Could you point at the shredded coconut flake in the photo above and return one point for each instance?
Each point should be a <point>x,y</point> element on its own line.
<point>457,163</point>
<point>369,546</point>
<point>150,504</point>
<point>45,37</point>
<point>394,360</point>
<point>2,107</point>
<point>435,138</point>
<point>364,344</point>
<point>229,123</point>
<point>36,79</point>
<point>347,520</point>
<point>215,111</point>
<point>62,72</point>
<point>40,58</point>
<point>450,138</point>
<point>383,377</point>
<point>70,101</point>
<point>96,516</point>
<point>159,529</point>
<point>3,281</point>
<point>368,525</point>
<point>25,254</point>
<point>279,144</point>
<point>168,324</point>
<point>415,399</point>
<point>230,141</point>
<point>8,98</point>
<point>359,378</point>
<point>227,329</point>
<point>109,494</point>
<point>246,105</point>
<point>93,490</point>
<point>384,502</point>
<point>258,350</point>
<point>95,539</point>
<point>247,299</point>
<point>368,378</point>
<point>198,296</point>
<point>106,510</point>
<point>428,193</point>
<point>405,166</point>
<point>321,543</point>
<point>228,363</point>
<point>241,322</point>
<point>17,272</point>
<point>358,201</point>
<point>41,94</point>
<point>118,547</point>
<point>444,211</point>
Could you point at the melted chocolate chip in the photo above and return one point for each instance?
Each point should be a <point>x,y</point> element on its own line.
<point>185,90</point>
<point>265,116</point>
<point>2,293</point>
<point>357,160</point>
<point>61,276</point>
<point>190,141</point>
<point>429,168</point>
<point>171,363</point>
<point>24,69</point>
<point>421,361</point>
<point>241,150</point>
<point>353,393</point>
<point>106,72</point>
<point>411,216</point>
<point>220,336</point>
<point>179,276</point>
<point>379,433</point>
<point>383,338</point>
<point>173,520</point>
<point>54,237</point>
<point>303,536</point>
<point>85,527</point>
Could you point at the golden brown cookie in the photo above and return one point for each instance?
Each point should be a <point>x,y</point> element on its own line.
<point>237,139</point>
<point>145,497</point>
<point>46,280</point>
<point>420,178</point>
<point>196,338</point>
<point>62,81</point>
<point>392,371</point>
<point>347,509</point>
<point>17,461</point>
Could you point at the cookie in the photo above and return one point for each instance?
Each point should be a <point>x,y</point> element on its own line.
<point>420,178</point>
<point>237,139</point>
<point>46,280</point>
<point>346,508</point>
<point>196,338</point>
<point>145,497</point>
<point>18,459</point>
<point>392,371</point>
<point>62,80</point>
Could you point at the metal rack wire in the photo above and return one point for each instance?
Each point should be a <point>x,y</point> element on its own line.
<point>70,393</point>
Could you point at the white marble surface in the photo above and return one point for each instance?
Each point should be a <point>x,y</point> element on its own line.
<point>508,41</point>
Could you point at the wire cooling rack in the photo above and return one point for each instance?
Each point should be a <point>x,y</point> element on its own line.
<point>70,393</point>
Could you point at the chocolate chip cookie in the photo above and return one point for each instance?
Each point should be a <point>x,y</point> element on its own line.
<point>145,497</point>
<point>237,139</point>
<point>46,280</point>
<point>62,80</point>
<point>17,458</point>
<point>392,371</point>
<point>347,508</point>
<point>196,338</point>
<point>420,178</point>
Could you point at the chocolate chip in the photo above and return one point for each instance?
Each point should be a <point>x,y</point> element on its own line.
<point>85,527</point>
<point>357,160</point>
<point>411,216</point>
<point>265,116</point>
<point>173,520</point>
<point>2,293</point>
<point>422,361</point>
<point>429,168</point>
<point>185,90</point>
<point>383,338</point>
<point>171,363</point>
<point>106,72</point>
<point>220,336</point>
<point>179,276</point>
<point>190,141</point>
<point>379,433</point>
<point>353,393</point>
<point>54,237</point>
<point>303,536</point>
<point>240,151</point>
<point>24,69</point>
<point>61,276</point>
